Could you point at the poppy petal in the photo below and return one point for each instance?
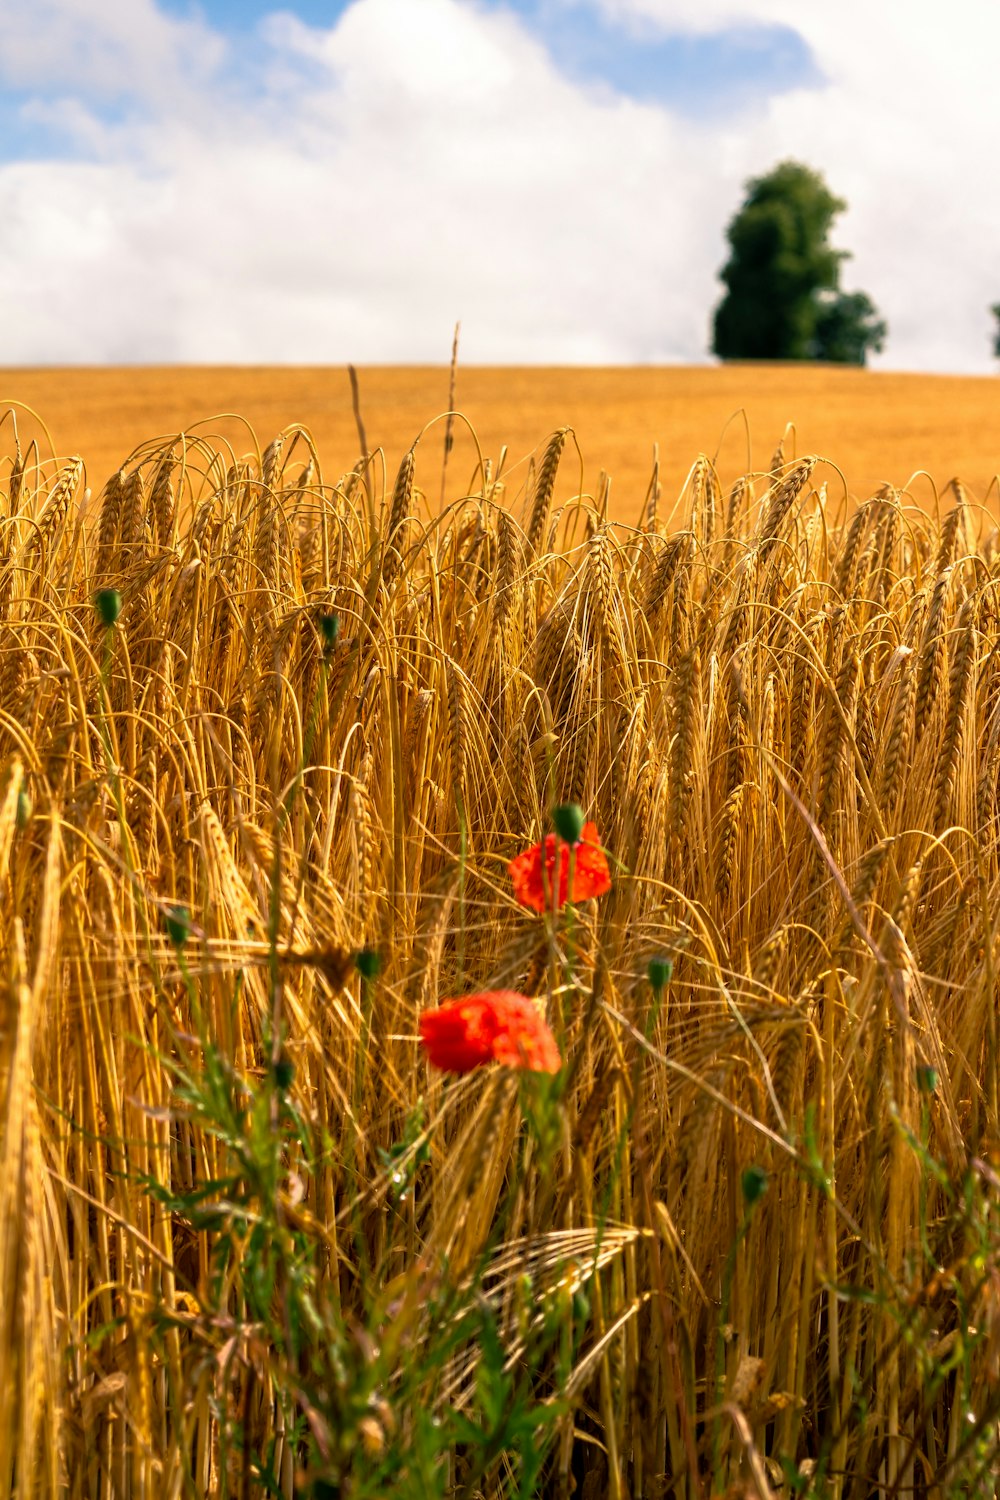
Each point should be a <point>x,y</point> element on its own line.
<point>499,1025</point>
<point>458,1035</point>
<point>540,874</point>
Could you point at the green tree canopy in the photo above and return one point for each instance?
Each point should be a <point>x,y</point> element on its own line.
<point>846,328</point>
<point>995,310</point>
<point>783,297</point>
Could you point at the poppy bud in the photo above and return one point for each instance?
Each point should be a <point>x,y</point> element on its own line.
<point>568,820</point>
<point>368,963</point>
<point>108,603</point>
<point>284,1072</point>
<point>660,972</point>
<point>329,629</point>
<point>753,1181</point>
<point>178,925</point>
<point>927,1080</point>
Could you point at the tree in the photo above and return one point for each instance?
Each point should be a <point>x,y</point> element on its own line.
<point>995,310</point>
<point>846,328</point>
<point>783,298</point>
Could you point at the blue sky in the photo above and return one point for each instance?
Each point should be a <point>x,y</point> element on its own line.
<point>238,15</point>
<point>323,182</point>
<point>698,74</point>
<point>701,75</point>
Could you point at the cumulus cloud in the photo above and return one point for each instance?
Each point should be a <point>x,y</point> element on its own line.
<point>348,192</point>
<point>104,47</point>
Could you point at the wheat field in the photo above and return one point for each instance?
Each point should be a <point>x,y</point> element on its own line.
<point>270,736</point>
<point>879,427</point>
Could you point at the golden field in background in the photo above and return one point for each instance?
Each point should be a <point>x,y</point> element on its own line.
<point>877,427</point>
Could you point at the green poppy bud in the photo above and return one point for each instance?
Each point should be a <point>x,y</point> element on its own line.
<point>108,603</point>
<point>178,924</point>
<point>284,1072</point>
<point>753,1181</point>
<point>368,963</point>
<point>927,1080</point>
<point>329,629</point>
<point>660,972</point>
<point>569,820</point>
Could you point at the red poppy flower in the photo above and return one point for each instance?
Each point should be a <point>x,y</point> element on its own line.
<point>498,1026</point>
<point>591,876</point>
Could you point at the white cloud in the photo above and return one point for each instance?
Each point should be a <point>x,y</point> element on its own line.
<point>414,164</point>
<point>110,47</point>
